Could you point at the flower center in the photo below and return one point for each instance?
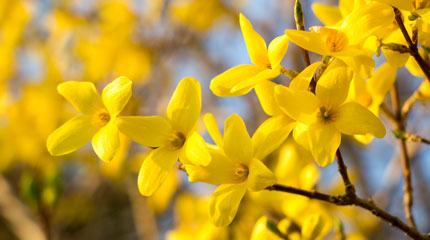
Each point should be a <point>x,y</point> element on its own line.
<point>102,118</point>
<point>335,40</point>
<point>241,172</point>
<point>325,115</point>
<point>176,140</point>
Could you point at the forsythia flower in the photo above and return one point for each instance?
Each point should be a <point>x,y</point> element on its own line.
<point>235,167</point>
<point>267,64</point>
<point>346,41</point>
<point>97,124</point>
<point>174,137</point>
<point>326,115</point>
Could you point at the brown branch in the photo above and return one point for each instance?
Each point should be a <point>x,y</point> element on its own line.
<point>413,49</point>
<point>407,197</point>
<point>353,200</point>
<point>411,137</point>
<point>341,167</point>
<point>387,113</point>
<point>407,105</point>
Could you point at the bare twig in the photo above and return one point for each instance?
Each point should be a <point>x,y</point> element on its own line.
<point>387,113</point>
<point>411,137</point>
<point>413,49</point>
<point>349,187</point>
<point>353,200</point>
<point>408,197</point>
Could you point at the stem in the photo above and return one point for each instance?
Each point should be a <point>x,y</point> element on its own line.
<point>407,197</point>
<point>387,113</point>
<point>408,104</point>
<point>353,200</point>
<point>413,49</point>
<point>341,167</point>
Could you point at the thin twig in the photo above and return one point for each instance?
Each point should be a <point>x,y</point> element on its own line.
<point>407,197</point>
<point>347,200</point>
<point>411,137</point>
<point>349,187</point>
<point>408,104</point>
<point>387,113</point>
<point>413,49</point>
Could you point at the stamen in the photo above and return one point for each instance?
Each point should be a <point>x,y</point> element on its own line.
<point>176,140</point>
<point>325,115</point>
<point>101,118</point>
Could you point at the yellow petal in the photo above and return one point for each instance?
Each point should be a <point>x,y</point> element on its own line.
<point>254,42</point>
<point>367,20</point>
<point>271,134</point>
<point>213,129</point>
<point>259,176</point>
<point>224,203</point>
<point>116,95</point>
<point>152,131</point>
<point>82,95</point>
<point>310,41</point>
<point>155,169</point>
<point>313,226</point>
<point>324,140</point>
<point>328,15</point>
<point>301,81</point>
<point>353,119</point>
<point>106,141</point>
<point>72,135</point>
<point>266,94</point>
<point>333,86</point>
<point>185,105</point>
<point>300,135</point>
<point>401,4</point>
<point>223,84</point>
<point>237,143</point>
<point>381,82</point>
<point>265,75</point>
<point>361,64</point>
<point>220,170</point>
<point>196,151</point>
<point>277,49</point>
<point>287,100</point>
<point>396,59</point>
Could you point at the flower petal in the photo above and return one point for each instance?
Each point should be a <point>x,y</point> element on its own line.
<point>361,64</point>
<point>277,49</point>
<point>381,82</point>
<point>301,81</point>
<point>185,105</point>
<point>213,129</point>
<point>196,151</point>
<point>300,135</point>
<point>259,176</point>
<point>237,143</point>
<point>266,94</point>
<point>265,75</point>
<point>353,119</point>
<point>271,134</point>
<point>324,140</point>
<point>254,42</point>
<point>401,4</point>
<point>106,141</point>
<point>288,100</point>
<point>116,95</point>
<point>155,169</point>
<point>152,131</point>
<point>333,86</point>
<point>72,135</point>
<point>308,40</point>
<point>223,84</point>
<point>328,15</point>
<point>82,95</point>
<point>224,203</point>
<point>220,170</point>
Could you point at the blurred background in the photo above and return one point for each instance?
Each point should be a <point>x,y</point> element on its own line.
<point>156,43</point>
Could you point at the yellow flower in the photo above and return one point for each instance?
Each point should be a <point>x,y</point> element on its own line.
<point>325,115</point>
<point>235,167</point>
<point>97,124</point>
<point>267,64</point>
<point>174,137</point>
<point>347,40</point>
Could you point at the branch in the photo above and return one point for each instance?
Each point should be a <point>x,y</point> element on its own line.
<point>352,200</point>
<point>413,49</point>
<point>341,167</point>
<point>410,137</point>
<point>407,197</point>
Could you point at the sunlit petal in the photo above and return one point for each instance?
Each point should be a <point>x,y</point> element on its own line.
<point>185,105</point>
<point>213,129</point>
<point>237,143</point>
<point>116,95</point>
<point>196,151</point>
<point>324,140</point>
<point>106,141</point>
<point>82,95</point>
<point>254,42</point>
<point>266,94</point>
<point>224,203</point>
<point>308,40</point>
<point>277,49</point>
<point>72,135</point>
<point>259,176</point>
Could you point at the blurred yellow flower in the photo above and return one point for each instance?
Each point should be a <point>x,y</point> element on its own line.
<point>97,124</point>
